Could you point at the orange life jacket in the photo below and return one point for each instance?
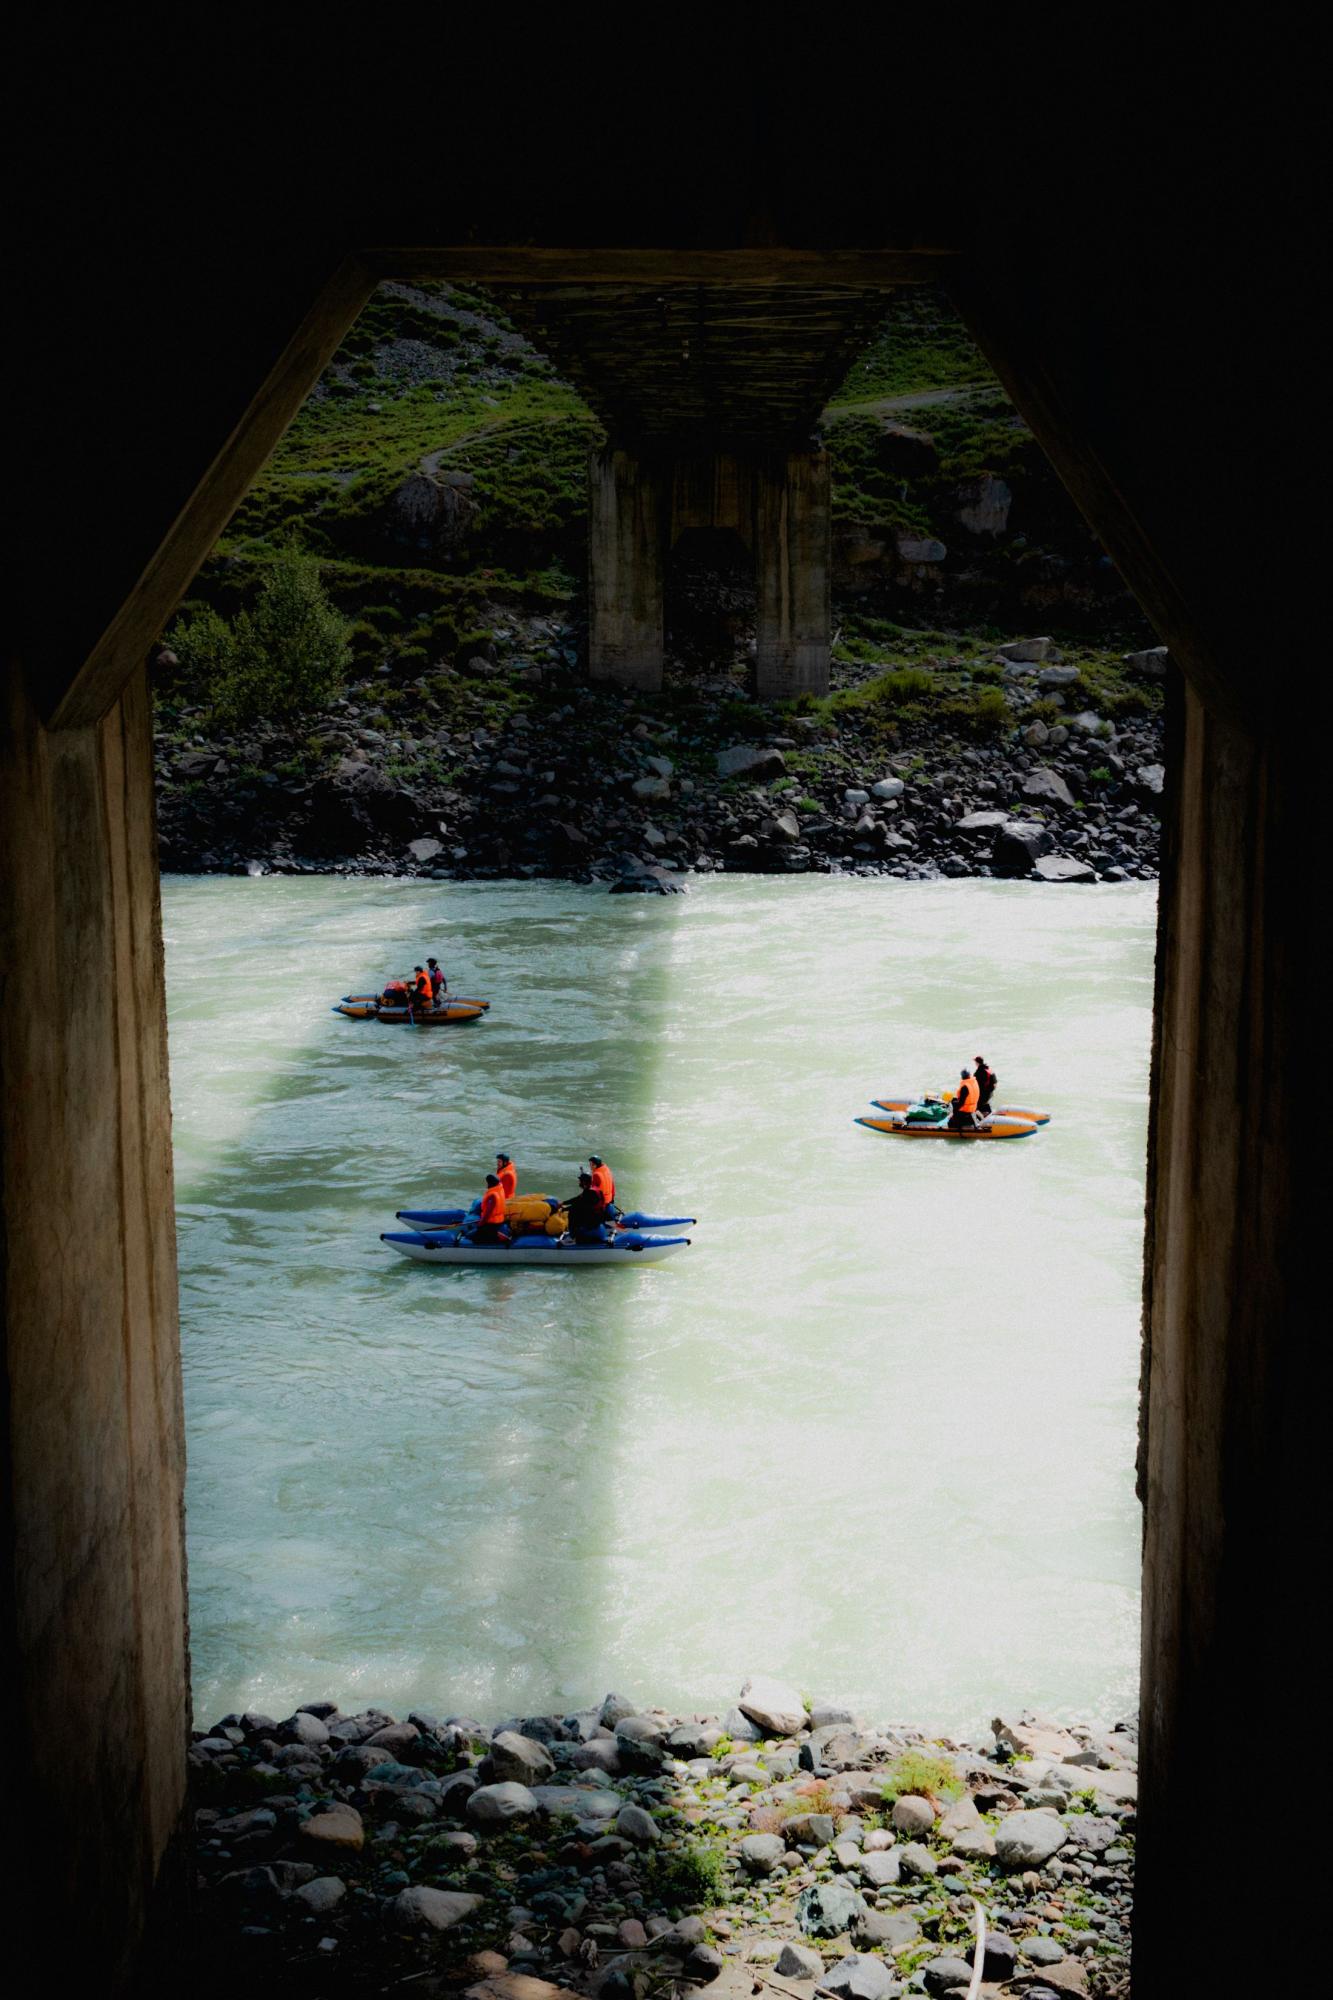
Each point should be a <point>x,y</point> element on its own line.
<point>421,993</point>
<point>604,1183</point>
<point>508,1180</point>
<point>969,1092</point>
<point>493,1205</point>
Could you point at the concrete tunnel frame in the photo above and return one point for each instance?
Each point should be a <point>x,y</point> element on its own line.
<point>1221,1405</point>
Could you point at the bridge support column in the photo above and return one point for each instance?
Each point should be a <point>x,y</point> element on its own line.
<point>626,568</point>
<point>792,513</point>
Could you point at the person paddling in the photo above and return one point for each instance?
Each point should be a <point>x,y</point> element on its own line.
<point>963,1107</point>
<point>586,1213</point>
<point>604,1182</point>
<point>986,1081</point>
<point>490,1224</point>
<point>507,1175</point>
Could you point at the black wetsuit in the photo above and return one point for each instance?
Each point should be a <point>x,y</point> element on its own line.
<point>587,1214</point>
<point>986,1084</point>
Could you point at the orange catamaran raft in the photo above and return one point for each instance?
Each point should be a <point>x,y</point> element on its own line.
<point>369,1007</point>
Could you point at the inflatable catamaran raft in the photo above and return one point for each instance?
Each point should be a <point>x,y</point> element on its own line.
<point>367,1007</point>
<point>927,1117</point>
<point>440,1236</point>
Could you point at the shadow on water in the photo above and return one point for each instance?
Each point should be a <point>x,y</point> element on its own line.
<point>402,1478</point>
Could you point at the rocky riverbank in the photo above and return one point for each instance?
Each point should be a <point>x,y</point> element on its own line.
<point>948,755</point>
<point>784,1848</point>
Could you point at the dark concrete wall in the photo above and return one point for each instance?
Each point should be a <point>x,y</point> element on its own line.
<point>93,1581</point>
<point>1132,252</point>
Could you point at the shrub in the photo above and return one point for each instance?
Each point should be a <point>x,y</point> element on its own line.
<point>689,1877</point>
<point>290,654</point>
<point>921,1775</point>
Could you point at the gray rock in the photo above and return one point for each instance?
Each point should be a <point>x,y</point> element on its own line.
<point>616,1708</point>
<point>912,1814</point>
<point>582,1802</point>
<point>1029,1839</point>
<point>750,760</point>
<point>1087,722</point>
<point>824,1715</point>
<point>492,1806</point>
<point>860,1976</point>
<point>305,1728</point>
<point>920,549</point>
<point>940,1974</point>
<point>761,1853</point>
<point>1063,868</point>
<point>854,796</point>
<point>799,1961</point>
<point>973,1844</point>
<point>322,1895</point>
<point>881,1868</point>
<point>420,1908</point>
<point>1028,651</point>
<point>1001,1959</point>
<point>704,1963</point>
<point>1044,783</point>
<point>1018,843</point>
<point>811,1829</point>
<point>1148,781</point>
<point>959,1816</point>
<point>773,1706</point>
<point>693,1739</point>
<point>984,505</point>
<point>637,1825</point>
<point>847,1853</point>
<point>1151,663</point>
<point>1035,735</point>
<point>785,827</point>
<point>829,1908</point>
<point>916,1862</point>
<point>662,767</point>
<point>886,788</point>
<point>893,1930</point>
<point>519,1759</point>
<point>425,849</point>
<point>980,822</point>
<point>740,1728</point>
<point>1040,1950</point>
<point>640,1742</point>
<point>1057,677</point>
<point>651,788</point>
<point>602,1754</point>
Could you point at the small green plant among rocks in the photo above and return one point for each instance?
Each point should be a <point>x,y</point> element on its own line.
<point>920,1774</point>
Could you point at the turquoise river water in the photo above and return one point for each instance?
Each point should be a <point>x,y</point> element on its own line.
<point>873,1431</point>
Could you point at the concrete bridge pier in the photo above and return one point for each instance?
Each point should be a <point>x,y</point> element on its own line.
<point>778,503</point>
<point>793,520</point>
<point>626,569</point>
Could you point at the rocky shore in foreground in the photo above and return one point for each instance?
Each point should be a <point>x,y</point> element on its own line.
<point>1000,760</point>
<point>784,1848</point>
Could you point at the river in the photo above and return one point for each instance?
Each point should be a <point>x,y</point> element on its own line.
<point>873,1431</point>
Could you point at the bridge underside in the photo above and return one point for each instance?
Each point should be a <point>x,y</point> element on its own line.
<point>711,396</point>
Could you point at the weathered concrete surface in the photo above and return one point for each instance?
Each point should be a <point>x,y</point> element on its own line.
<point>626,570</point>
<point>793,524</point>
<point>93,1581</point>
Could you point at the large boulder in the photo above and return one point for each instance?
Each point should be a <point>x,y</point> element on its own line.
<point>983,505</point>
<point>641,1743</point>
<point>827,1909</point>
<point>750,760</point>
<point>1151,663</point>
<point>1029,1839</point>
<point>912,1814</point>
<point>799,1961</point>
<point>422,1908</point>
<point>1017,845</point>
<point>943,1974</point>
<point>773,1706</point>
<point>1026,652</point>
<point>494,1806</point>
<point>1063,868</point>
<point>761,1853</point>
<point>519,1759</point>
<point>336,1830</point>
<point>1047,786</point>
<point>861,1976</point>
<point>892,1930</point>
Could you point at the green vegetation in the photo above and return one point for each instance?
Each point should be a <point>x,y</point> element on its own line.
<point>288,655</point>
<point>689,1878</point>
<point>919,1774</point>
<point>921,345</point>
